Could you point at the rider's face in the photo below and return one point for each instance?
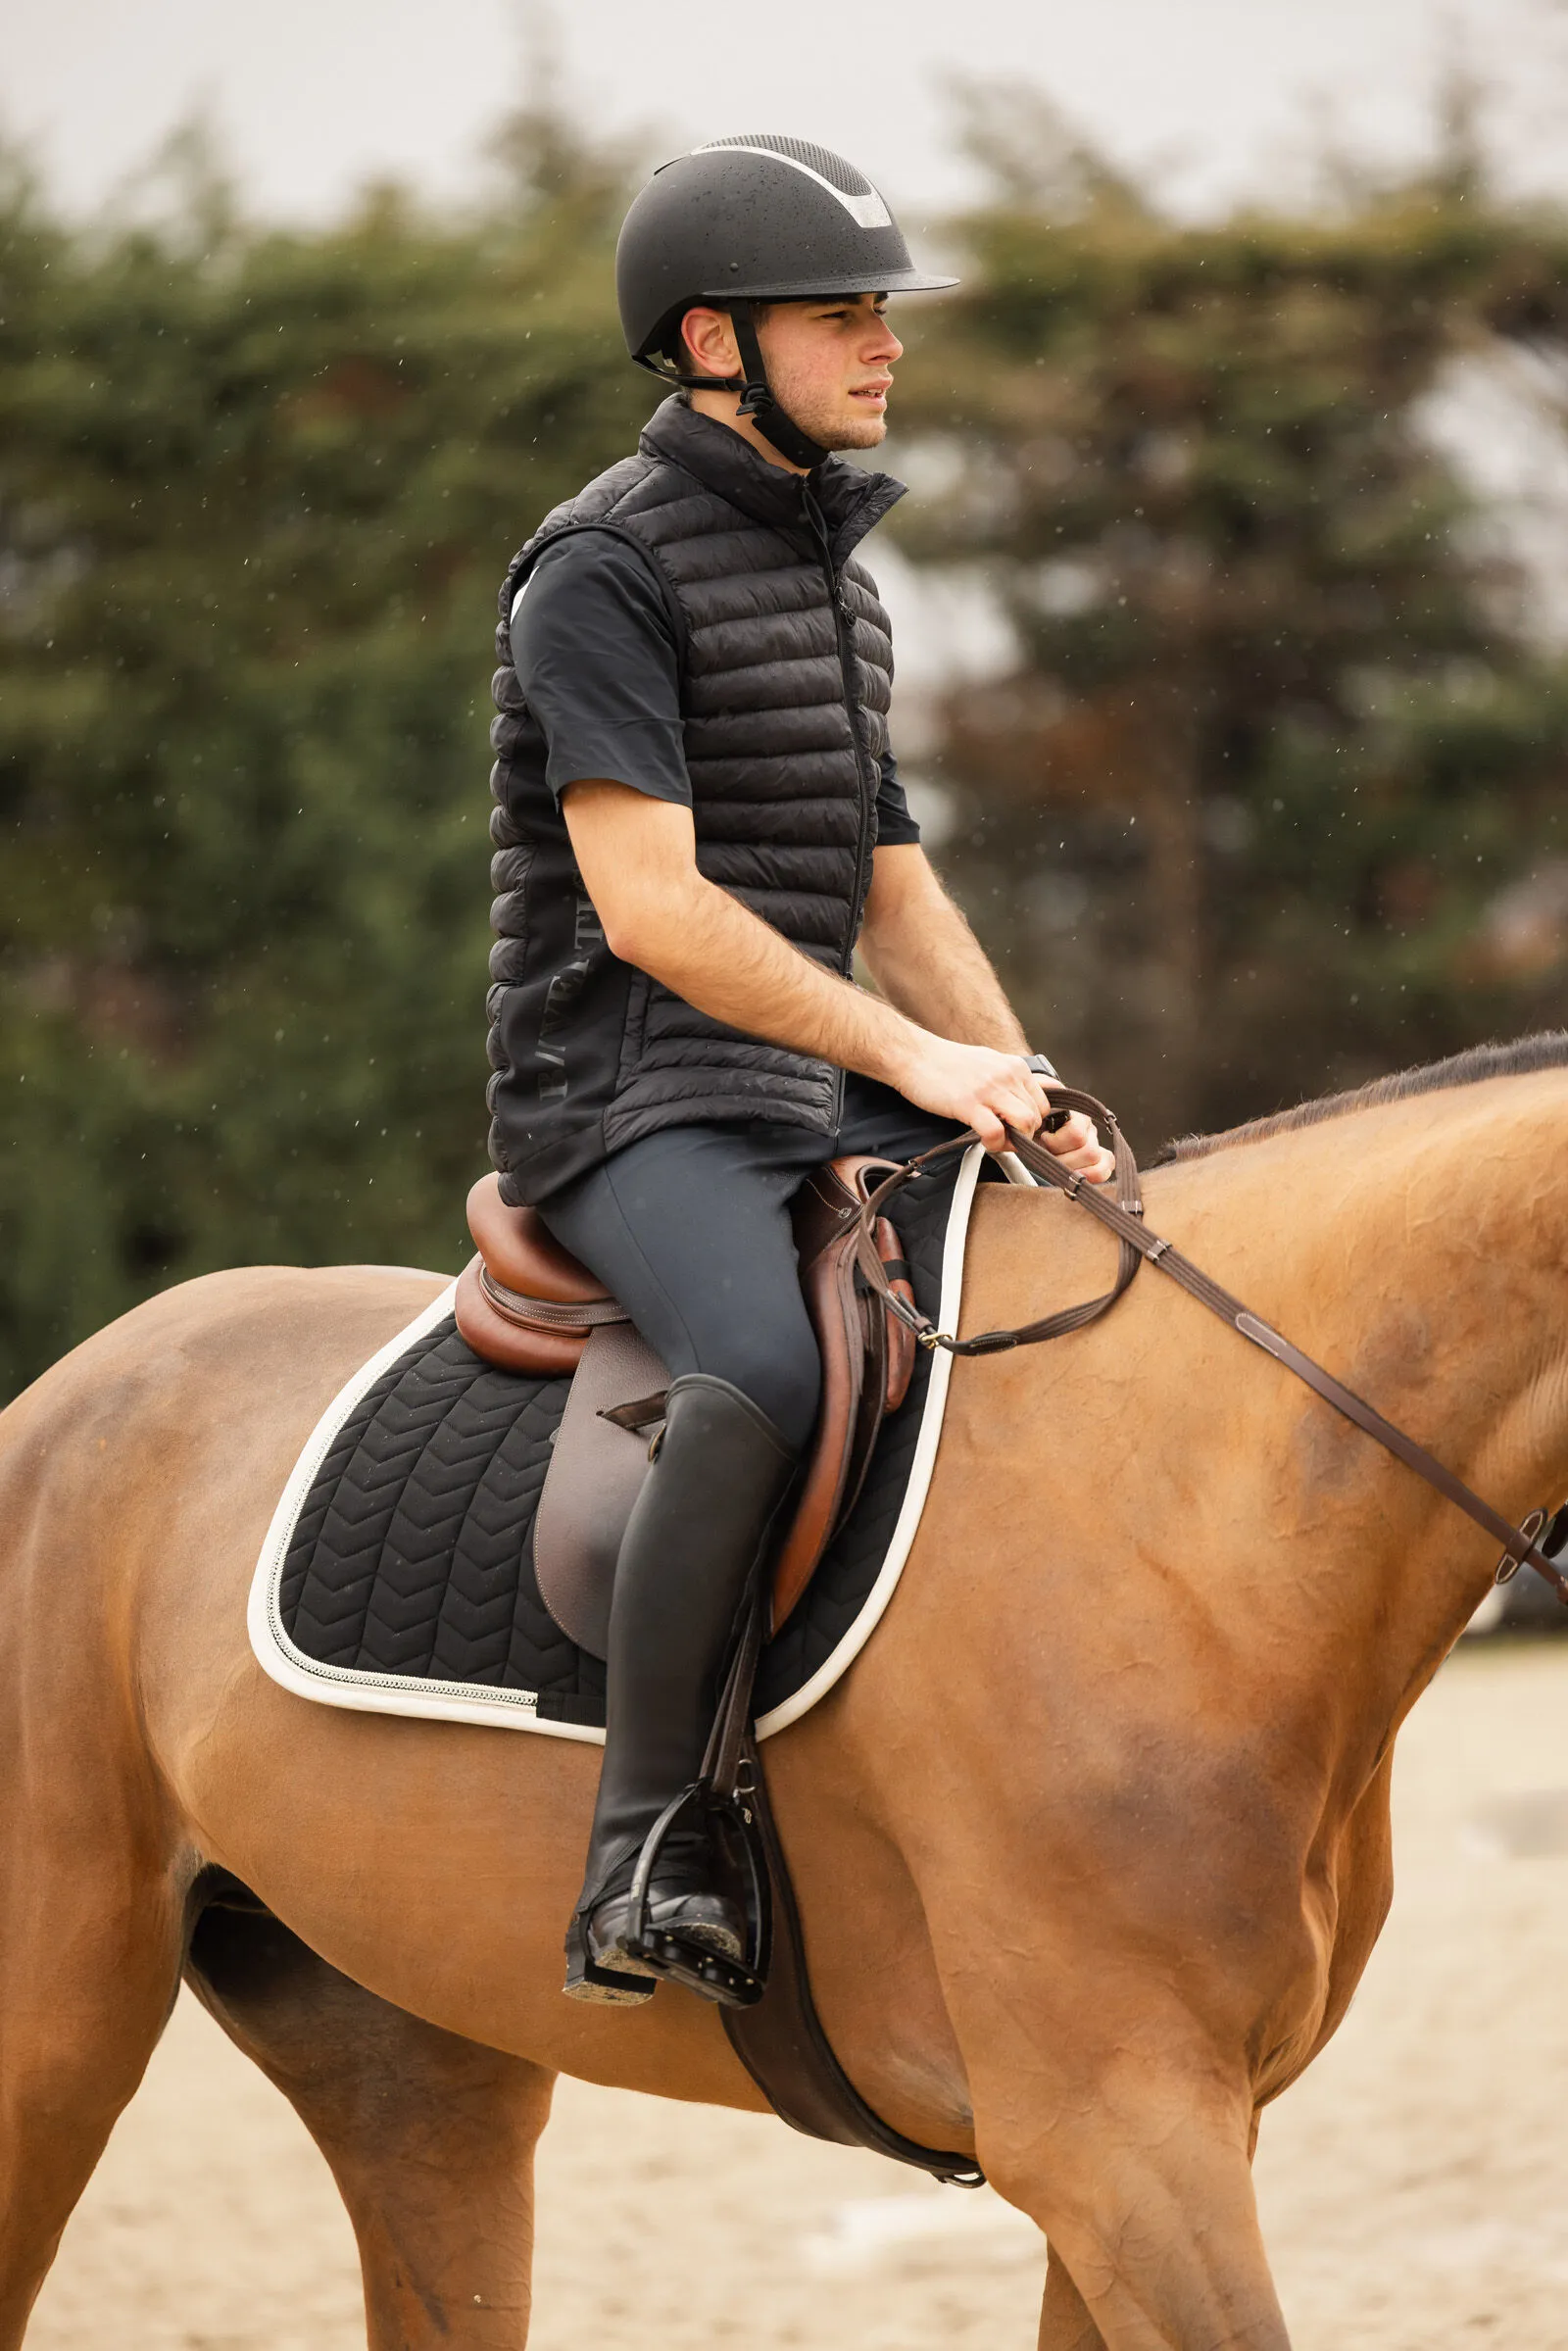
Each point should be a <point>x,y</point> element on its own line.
<point>829,363</point>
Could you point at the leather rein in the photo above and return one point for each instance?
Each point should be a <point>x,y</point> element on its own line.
<point>1136,1247</point>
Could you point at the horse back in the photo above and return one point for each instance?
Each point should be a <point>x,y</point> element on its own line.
<point>139,1470</point>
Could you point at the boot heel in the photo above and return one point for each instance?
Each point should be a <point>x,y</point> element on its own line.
<point>606,1986</point>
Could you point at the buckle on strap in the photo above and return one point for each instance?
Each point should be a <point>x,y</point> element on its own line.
<point>1511,1562</point>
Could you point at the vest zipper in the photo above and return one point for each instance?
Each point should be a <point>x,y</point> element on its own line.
<point>852,702</point>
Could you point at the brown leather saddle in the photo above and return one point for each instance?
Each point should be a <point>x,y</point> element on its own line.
<point>526,1305</point>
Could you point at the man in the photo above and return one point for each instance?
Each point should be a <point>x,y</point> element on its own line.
<point>699,816</point>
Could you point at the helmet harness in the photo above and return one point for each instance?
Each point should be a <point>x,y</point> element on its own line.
<point>758,396</point>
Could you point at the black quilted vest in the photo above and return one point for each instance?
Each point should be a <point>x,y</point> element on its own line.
<point>786,672</point>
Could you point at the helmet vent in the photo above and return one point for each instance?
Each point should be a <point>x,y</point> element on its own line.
<point>852,190</point>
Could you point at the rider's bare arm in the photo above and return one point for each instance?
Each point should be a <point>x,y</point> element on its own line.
<point>638,860</point>
<point>927,961</point>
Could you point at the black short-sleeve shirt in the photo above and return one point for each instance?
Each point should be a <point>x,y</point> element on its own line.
<point>594,650</point>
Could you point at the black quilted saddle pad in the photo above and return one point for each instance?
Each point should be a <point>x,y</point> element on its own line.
<point>410,1564</point>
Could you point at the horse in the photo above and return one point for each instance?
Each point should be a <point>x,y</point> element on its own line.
<point>1091,1844</point>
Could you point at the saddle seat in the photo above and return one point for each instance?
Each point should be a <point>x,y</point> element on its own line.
<point>527,1305</point>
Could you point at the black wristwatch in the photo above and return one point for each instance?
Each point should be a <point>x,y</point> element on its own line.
<point>1042,1067</point>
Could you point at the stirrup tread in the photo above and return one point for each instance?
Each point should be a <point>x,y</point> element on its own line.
<point>682,1959</point>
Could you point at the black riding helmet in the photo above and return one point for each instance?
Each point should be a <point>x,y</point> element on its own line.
<point>756,217</point>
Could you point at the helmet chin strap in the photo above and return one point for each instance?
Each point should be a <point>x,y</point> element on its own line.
<point>758,400</point>
<point>757,393</point>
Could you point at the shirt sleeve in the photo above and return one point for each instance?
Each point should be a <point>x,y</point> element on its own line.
<point>593,647</point>
<point>896,828</point>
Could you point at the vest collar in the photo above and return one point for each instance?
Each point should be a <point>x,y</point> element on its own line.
<point>852,501</point>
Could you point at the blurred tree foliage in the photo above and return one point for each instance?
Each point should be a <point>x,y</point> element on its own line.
<point>1278,733</point>
<point>256,494</point>
<point>1274,742</point>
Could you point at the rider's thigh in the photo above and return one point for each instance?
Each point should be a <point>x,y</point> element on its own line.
<point>690,1228</point>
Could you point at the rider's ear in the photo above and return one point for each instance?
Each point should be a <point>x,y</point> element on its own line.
<point>710,345</point>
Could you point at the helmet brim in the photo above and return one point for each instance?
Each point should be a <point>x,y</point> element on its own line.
<point>821,289</point>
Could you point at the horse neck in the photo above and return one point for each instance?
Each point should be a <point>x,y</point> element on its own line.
<point>1420,1251</point>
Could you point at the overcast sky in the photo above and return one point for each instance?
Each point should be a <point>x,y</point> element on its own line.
<point>1210,96</point>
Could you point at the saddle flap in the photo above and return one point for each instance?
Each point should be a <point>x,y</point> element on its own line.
<point>897,1337</point>
<point>596,1468</point>
<point>857,1373</point>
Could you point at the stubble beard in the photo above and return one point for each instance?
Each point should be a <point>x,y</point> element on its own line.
<point>838,426</point>
<point>862,432</point>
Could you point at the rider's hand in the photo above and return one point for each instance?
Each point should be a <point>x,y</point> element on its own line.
<point>1077,1144</point>
<point>991,1092</point>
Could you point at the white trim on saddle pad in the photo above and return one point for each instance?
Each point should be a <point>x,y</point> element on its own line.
<point>371,1693</point>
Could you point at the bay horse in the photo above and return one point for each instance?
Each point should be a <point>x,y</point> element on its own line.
<point>1092,1844</point>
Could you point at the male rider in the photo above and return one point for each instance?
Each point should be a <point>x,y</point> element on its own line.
<point>699,820</point>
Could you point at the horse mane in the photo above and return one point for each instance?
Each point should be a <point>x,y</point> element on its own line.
<point>1522,1059</point>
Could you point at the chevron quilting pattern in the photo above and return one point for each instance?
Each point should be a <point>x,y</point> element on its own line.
<point>412,1553</point>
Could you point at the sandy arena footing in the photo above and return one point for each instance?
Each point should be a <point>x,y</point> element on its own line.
<point>1405,2183</point>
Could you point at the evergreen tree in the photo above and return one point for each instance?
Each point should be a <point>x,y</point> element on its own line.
<point>1275,736</point>
<point>256,494</point>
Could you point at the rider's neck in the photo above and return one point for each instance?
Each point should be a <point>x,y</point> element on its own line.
<point>725,409</point>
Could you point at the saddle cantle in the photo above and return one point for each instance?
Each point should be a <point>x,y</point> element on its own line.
<point>527,1305</point>
<point>524,1303</point>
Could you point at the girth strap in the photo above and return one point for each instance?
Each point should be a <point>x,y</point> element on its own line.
<point>1138,1247</point>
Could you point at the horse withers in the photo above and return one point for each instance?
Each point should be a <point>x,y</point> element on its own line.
<point>1092,1844</point>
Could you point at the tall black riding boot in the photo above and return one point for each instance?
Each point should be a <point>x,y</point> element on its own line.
<point>701,1525</point>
